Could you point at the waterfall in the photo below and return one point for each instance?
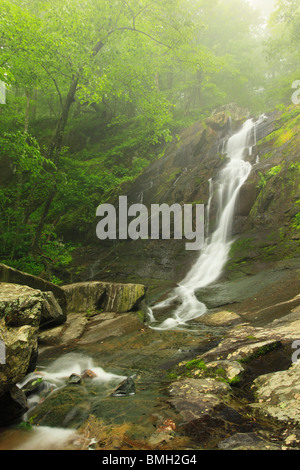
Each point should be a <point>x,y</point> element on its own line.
<point>214,254</point>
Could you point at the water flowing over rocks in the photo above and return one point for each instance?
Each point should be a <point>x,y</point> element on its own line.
<point>67,408</point>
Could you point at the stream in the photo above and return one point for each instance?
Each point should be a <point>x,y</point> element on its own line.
<point>146,355</point>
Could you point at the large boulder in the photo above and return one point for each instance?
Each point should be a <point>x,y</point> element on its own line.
<point>21,348</point>
<point>22,305</point>
<point>106,296</point>
<point>13,276</point>
<point>22,311</point>
<point>278,394</point>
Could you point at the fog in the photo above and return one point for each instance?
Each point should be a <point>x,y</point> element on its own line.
<point>266,6</point>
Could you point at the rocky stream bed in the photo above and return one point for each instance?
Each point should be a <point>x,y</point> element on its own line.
<point>107,380</point>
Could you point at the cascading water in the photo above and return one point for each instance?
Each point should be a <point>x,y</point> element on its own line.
<point>214,254</point>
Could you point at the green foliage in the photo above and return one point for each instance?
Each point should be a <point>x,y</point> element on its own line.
<point>25,426</point>
<point>196,364</point>
<point>263,179</point>
<point>296,222</point>
<point>24,192</point>
<point>274,171</point>
<point>103,86</point>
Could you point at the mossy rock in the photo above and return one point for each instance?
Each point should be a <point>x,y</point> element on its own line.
<point>68,407</point>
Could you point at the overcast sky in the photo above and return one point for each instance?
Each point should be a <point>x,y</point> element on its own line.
<point>265,5</point>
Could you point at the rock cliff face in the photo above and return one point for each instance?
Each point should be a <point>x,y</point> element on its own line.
<point>266,225</point>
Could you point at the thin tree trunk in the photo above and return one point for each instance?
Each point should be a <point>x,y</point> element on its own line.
<point>55,146</point>
<point>40,227</point>
<point>53,153</point>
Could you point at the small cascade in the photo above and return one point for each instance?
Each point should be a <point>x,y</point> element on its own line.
<point>214,254</point>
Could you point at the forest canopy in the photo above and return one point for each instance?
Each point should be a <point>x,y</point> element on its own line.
<point>95,89</point>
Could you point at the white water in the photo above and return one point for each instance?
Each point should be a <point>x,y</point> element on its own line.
<point>214,254</point>
<point>72,363</point>
<point>56,375</point>
<point>45,438</point>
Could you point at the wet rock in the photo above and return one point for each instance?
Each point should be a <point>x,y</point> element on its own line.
<point>64,334</point>
<point>125,389</point>
<point>109,297</point>
<point>74,379</point>
<point>248,196</point>
<point>164,434</point>
<point>239,290</point>
<point>88,374</point>
<point>34,385</point>
<point>247,441</point>
<point>223,318</point>
<point>67,407</point>
<point>118,326</point>
<point>12,406</point>
<point>195,399</point>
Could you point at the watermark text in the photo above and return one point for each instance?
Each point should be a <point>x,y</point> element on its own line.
<point>296,94</point>
<point>164,222</point>
<point>2,352</point>
<point>295,356</point>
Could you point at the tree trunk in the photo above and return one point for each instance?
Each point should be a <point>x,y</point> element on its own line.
<point>40,227</point>
<point>55,146</point>
<point>53,153</point>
